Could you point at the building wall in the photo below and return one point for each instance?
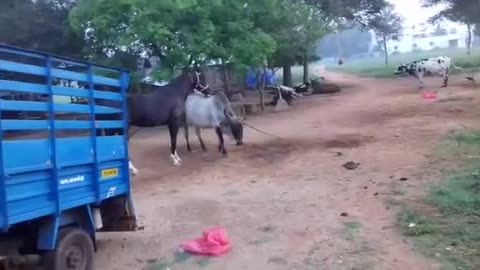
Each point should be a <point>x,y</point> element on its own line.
<point>421,37</point>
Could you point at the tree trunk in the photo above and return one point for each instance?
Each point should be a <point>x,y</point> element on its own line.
<point>287,75</point>
<point>225,78</point>
<point>261,89</point>
<point>469,39</point>
<point>305,68</point>
<point>385,49</point>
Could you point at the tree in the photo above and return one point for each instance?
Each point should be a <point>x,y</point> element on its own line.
<point>295,26</point>
<point>275,17</point>
<point>346,14</point>
<point>178,32</point>
<point>39,25</point>
<point>237,41</point>
<point>387,25</point>
<point>313,24</point>
<point>354,41</point>
<point>182,33</point>
<point>463,11</point>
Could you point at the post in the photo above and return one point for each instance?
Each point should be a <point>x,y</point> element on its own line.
<point>225,77</point>
<point>385,49</point>
<point>305,67</point>
<point>287,75</point>
<point>469,38</point>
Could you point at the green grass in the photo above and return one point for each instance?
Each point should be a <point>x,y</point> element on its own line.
<point>450,229</point>
<point>375,67</point>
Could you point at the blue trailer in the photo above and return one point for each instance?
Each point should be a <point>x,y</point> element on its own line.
<point>61,182</point>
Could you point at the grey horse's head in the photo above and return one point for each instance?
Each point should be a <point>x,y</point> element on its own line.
<point>234,130</point>
<point>237,132</point>
<point>233,121</point>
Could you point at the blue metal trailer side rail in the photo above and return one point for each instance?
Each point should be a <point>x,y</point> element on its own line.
<point>57,179</point>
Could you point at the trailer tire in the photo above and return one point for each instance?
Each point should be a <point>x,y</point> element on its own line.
<point>74,251</point>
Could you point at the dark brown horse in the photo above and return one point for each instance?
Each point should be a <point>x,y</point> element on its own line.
<point>164,105</point>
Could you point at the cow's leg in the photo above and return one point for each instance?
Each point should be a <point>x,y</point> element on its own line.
<point>221,142</point>
<point>420,80</point>
<point>189,149</point>
<point>198,132</point>
<point>173,130</point>
<point>445,78</point>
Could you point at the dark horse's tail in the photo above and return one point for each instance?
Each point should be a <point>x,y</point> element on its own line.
<point>133,133</point>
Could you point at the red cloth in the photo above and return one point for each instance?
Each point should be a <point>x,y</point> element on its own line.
<point>429,95</point>
<point>214,242</point>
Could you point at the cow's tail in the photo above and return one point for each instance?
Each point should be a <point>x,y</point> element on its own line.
<point>456,67</point>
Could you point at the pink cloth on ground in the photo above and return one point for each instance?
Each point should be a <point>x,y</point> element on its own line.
<point>429,95</point>
<point>214,242</point>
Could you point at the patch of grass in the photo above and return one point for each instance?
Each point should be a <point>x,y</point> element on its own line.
<point>375,67</point>
<point>414,224</point>
<point>450,229</point>
<point>460,195</point>
<point>351,228</point>
<point>468,138</point>
<point>158,266</point>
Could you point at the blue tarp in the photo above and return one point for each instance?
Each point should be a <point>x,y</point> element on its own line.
<point>252,78</point>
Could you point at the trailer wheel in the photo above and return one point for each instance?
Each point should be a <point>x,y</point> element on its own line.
<point>75,251</point>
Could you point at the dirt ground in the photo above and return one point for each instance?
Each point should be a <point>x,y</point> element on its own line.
<point>281,200</point>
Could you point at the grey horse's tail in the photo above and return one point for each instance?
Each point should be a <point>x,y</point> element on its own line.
<point>229,113</point>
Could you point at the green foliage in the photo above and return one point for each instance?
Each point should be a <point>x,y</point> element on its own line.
<point>464,11</point>
<point>237,39</point>
<point>344,12</point>
<point>39,25</point>
<point>176,31</point>
<point>449,230</point>
<point>414,224</point>
<point>387,24</point>
<point>185,32</point>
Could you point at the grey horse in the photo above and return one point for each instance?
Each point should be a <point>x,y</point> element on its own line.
<point>164,105</point>
<point>212,112</point>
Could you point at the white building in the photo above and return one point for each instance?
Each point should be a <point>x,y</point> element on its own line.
<point>423,37</point>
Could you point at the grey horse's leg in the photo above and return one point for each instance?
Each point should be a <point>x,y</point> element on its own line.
<point>199,136</point>
<point>189,149</point>
<point>220,139</point>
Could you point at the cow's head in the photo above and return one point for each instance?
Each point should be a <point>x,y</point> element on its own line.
<point>401,69</point>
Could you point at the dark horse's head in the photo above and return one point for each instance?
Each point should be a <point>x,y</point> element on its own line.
<point>199,80</point>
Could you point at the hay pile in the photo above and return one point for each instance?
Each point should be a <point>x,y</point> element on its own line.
<point>323,87</point>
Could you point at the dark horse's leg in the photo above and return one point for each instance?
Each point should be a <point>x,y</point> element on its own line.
<point>221,146</point>
<point>198,132</point>
<point>173,128</point>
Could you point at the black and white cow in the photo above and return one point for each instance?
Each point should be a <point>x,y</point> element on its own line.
<point>428,66</point>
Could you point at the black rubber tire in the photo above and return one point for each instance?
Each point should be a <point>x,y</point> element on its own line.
<point>74,251</point>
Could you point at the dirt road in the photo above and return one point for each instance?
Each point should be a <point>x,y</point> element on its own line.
<point>281,200</point>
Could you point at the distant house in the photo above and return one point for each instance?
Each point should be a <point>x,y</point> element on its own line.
<point>424,37</point>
